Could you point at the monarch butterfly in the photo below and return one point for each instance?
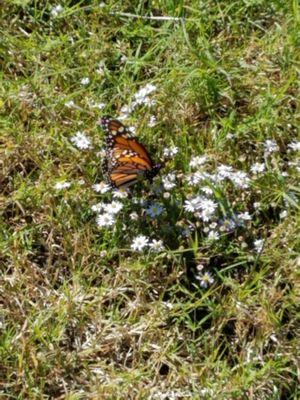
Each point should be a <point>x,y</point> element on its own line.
<point>125,158</point>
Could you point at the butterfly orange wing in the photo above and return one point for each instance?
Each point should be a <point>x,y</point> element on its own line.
<point>126,159</point>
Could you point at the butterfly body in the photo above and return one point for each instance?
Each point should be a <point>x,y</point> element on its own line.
<point>126,160</point>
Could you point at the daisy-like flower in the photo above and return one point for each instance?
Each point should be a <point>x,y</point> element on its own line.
<point>170,151</point>
<point>81,141</point>
<point>195,178</point>
<point>258,168</point>
<point>104,220</point>
<point>208,208</point>
<point>270,146</point>
<point>227,225</point>
<point>244,216</point>
<point>156,245</point>
<point>62,185</point>
<point>98,207</point>
<point>120,193</point>
<point>240,179</point>
<point>154,210</point>
<point>139,243</point>
<point>205,279</point>
<point>169,181</point>
<point>213,236</point>
<point>197,161</point>
<point>207,190</point>
<point>134,216</point>
<point>141,96</point>
<point>101,187</point>
<point>194,204</point>
<point>152,121</point>
<point>114,207</point>
<point>258,245</point>
<point>224,171</point>
<point>126,111</point>
<point>295,146</point>
<point>85,81</point>
<point>55,11</point>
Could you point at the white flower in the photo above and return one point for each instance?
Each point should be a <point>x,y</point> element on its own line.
<point>283,214</point>
<point>139,243</point>
<point>114,207</point>
<point>295,146</point>
<point>213,225</point>
<point>154,210</point>
<point>142,94</point>
<point>70,104</point>
<point>197,161</point>
<point>240,179</point>
<point>270,146</point>
<point>56,10</point>
<point>169,181</point>
<point>106,219</point>
<point>204,208</point>
<point>81,141</point>
<point>141,97</point>
<point>120,193</point>
<point>134,216</point>
<point>245,216</point>
<point>152,121</point>
<point>207,190</point>
<point>228,225</point>
<point>85,81</point>
<point>98,207</point>
<point>193,205</point>
<point>213,235</point>
<point>101,187</point>
<point>170,151</point>
<point>62,185</point>
<point>256,205</point>
<point>156,245</point>
<point>208,208</point>
<point>195,178</point>
<point>126,110</point>
<point>224,171</point>
<point>258,244</point>
<point>258,168</point>
<point>205,279</point>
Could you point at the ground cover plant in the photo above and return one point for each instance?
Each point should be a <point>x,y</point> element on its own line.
<point>183,288</point>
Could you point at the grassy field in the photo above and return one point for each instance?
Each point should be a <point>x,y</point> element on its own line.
<point>184,288</point>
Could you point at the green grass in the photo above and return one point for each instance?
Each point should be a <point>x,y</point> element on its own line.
<point>82,314</point>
